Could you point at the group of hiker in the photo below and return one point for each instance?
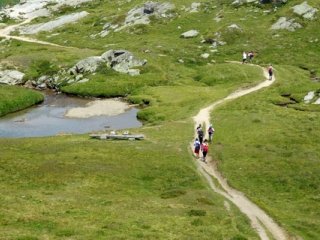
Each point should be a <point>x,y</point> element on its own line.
<point>250,55</point>
<point>246,56</point>
<point>201,144</point>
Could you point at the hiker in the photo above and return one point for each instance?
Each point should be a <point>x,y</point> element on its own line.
<point>204,149</point>
<point>200,133</point>
<point>210,132</point>
<point>270,71</point>
<point>244,57</point>
<point>250,55</point>
<point>196,145</point>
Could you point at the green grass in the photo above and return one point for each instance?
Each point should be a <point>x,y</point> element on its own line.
<point>17,98</point>
<point>4,3</point>
<point>74,188</point>
<point>272,153</point>
<point>81,188</point>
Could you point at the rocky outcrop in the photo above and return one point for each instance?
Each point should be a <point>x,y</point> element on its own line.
<point>48,26</point>
<point>11,77</point>
<point>305,10</point>
<point>29,9</point>
<point>190,34</point>
<point>141,15</point>
<point>123,61</point>
<point>87,65</point>
<point>285,24</point>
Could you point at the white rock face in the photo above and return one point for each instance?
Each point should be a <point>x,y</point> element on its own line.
<point>11,77</point>
<point>305,10</point>
<point>49,26</point>
<point>190,34</point>
<point>29,9</point>
<point>309,97</point>
<point>283,23</point>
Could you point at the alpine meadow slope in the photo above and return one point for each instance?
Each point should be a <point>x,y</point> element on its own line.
<point>266,144</point>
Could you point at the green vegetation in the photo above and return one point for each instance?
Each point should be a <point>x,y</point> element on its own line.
<point>75,187</point>
<point>266,143</point>
<point>16,98</point>
<point>273,152</point>
<point>3,3</point>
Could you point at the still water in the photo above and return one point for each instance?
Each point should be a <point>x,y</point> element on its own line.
<point>47,119</point>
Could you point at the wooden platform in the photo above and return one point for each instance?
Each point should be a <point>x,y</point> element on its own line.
<point>104,136</point>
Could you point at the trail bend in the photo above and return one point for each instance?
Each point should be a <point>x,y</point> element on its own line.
<point>261,222</point>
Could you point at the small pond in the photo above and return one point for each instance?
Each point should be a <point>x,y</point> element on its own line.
<point>48,119</point>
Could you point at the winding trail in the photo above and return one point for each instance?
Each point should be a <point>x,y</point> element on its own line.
<point>263,224</point>
<point>5,33</point>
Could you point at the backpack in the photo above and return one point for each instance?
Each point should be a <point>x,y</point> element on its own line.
<point>197,144</point>
<point>205,148</point>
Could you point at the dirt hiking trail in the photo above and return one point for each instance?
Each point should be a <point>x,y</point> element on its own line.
<point>5,33</point>
<point>262,223</point>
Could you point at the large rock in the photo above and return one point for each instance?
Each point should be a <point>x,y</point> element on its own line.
<point>122,61</point>
<point>308,98</point>
<point>48,26</point>
<point>11,77</point>
<point>141,15</point>
<point>283,23</point>
<point>29,9</point>
<point>190,34</point>
<point>87,65</point>
<point>305,10</point>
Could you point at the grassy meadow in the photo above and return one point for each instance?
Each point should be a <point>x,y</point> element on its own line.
<point>272,152</point>
<point>74,187</point>
<point>17,98</point>
<point>266,143</point>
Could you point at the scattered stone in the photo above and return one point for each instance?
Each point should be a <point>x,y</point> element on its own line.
<point>234,27</point>
<point>205,55</point>
<point>308,98</point>
<point>241,2</point>
<point>195,7</point>
<point>180,60</point>
<point>305,10</point>
<point>285,24</point>
<point>11,77</point>
<point>190,34</point>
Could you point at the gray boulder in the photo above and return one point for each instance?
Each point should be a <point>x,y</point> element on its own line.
<point>190,34</point>
<point>87,65</point>
<point>308,98</point>
<point>141,15</point>
<point>305,10</point>
<point>11,77</point>
<point>122,61</point>
<point>283,23</point>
